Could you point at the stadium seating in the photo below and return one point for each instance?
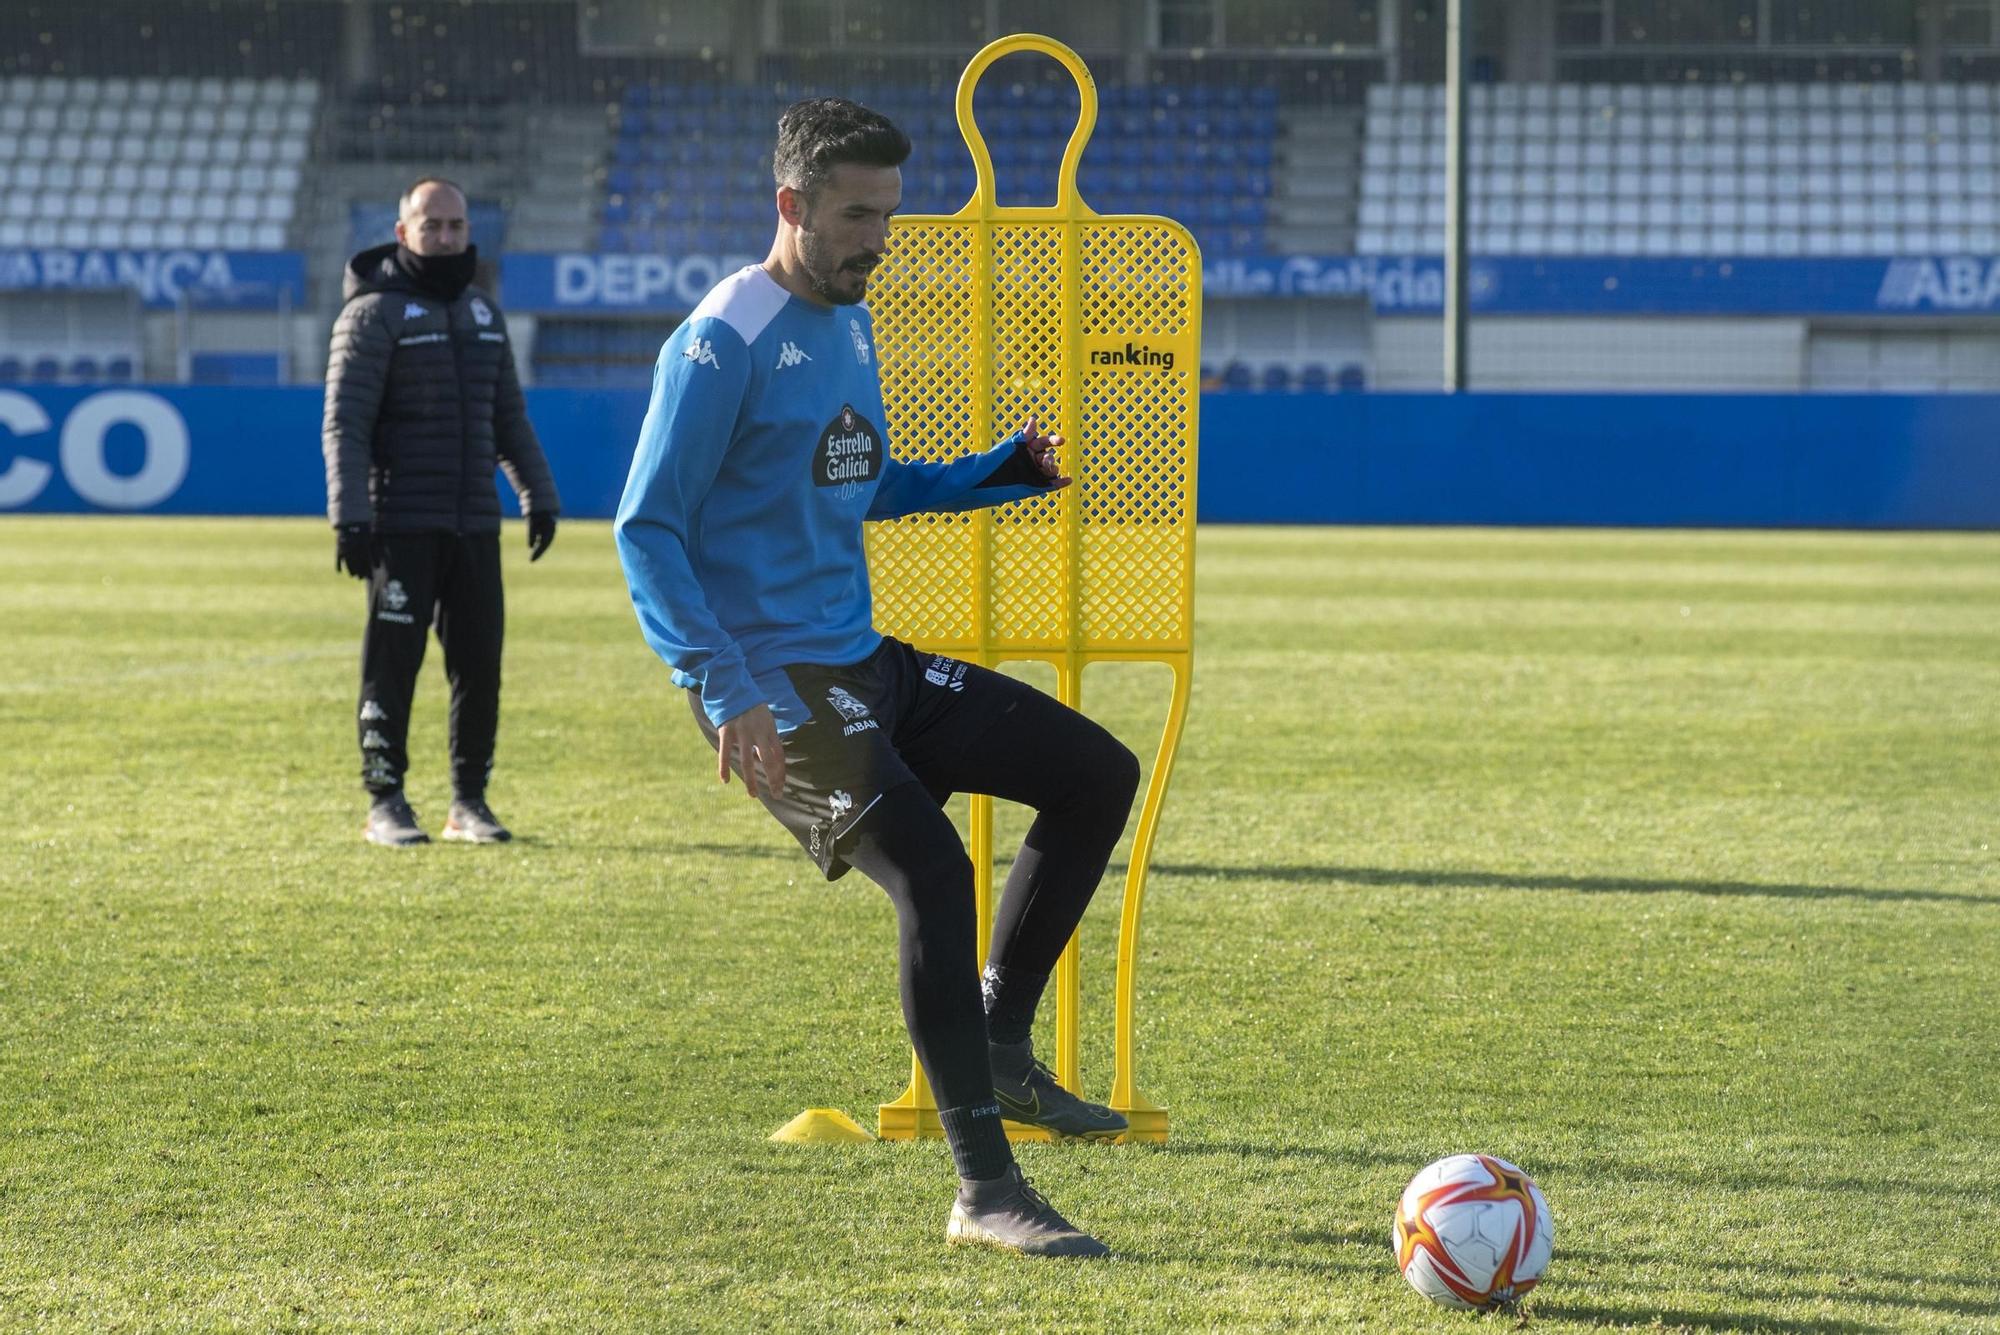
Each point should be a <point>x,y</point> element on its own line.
<point>235,368</point>
<point>86,368</point>
<point>152,163</point>
<point>1278,377</point>
<point>690,166</point>
<point>1728,169</point>
<point>597,354</point>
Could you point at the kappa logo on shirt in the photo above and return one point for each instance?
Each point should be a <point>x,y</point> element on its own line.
<point>790,355</point>
<point>701,352</point>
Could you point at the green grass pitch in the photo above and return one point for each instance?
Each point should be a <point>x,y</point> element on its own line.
<point>1664,864</point>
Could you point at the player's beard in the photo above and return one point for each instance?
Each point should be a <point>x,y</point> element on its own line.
<point>839,280</point>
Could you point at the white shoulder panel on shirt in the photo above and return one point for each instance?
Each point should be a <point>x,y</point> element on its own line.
<point>747,301</point>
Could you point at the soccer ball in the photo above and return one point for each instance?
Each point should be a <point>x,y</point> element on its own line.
<point>1473,1232</point>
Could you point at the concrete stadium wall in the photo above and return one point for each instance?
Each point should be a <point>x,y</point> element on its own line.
<point>1708,460</point>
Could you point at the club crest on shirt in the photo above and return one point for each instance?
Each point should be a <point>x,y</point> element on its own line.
<point>849,454</point>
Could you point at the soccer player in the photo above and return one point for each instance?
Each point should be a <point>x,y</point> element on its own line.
<point>740,531</point>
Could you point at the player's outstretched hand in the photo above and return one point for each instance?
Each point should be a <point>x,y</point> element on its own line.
<point>1046,452</point>
<point>746,739</point>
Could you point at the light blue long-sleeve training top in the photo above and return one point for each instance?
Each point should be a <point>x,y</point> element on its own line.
<point>762,452</point>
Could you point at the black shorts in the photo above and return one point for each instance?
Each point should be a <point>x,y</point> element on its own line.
<point>888,720</point>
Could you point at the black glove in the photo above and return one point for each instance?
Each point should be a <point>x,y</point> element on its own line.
<point>541,532</point>
<point>354,550</point>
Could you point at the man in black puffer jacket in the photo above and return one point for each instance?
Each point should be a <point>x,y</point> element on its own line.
<point>422,403</point>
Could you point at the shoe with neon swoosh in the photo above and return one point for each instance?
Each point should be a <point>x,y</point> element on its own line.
<point>1028,1093</point>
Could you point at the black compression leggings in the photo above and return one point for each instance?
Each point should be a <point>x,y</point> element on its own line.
<point>1080,780</point>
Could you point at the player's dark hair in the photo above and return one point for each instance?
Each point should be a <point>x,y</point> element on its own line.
<point>820,133</point>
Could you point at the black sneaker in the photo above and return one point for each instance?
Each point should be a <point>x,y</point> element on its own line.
<point>392,823</point>
<point>473,822</point>
<point>1027,1092</point>
<point>1007,1212</point>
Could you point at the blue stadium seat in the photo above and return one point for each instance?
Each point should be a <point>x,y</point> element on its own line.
<point>234,368</point>
<point>1220,154</point>
<point>1351,378</point>
<point>1236,376</point>
<point>10,370</point>
<point>119,370</point>
<point>1277,378</point>
<point>1313,378</point>
<point>45,371</point>
<point>84,370</point>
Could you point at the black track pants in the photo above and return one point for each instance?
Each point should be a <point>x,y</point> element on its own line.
<point>456,580</point>
<point>891,738</point>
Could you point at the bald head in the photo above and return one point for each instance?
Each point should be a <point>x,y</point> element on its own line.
<point>430,218</point>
